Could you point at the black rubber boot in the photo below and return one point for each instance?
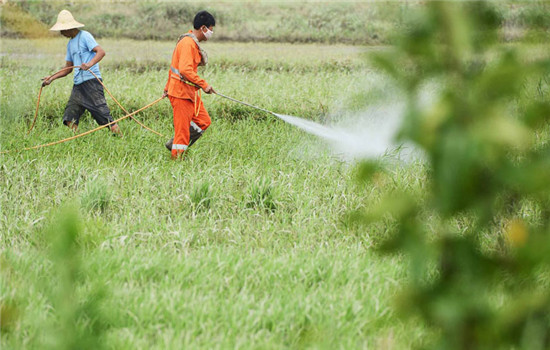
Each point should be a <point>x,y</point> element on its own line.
<point>194,136</point>
<point>169,144</point>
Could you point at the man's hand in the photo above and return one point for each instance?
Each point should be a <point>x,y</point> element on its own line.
<point>165,93</point>
<point>85,66</point>
<point>46,81</point>
<point>209,89</point>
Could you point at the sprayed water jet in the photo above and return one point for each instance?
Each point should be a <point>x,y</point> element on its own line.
<point>371,136</point>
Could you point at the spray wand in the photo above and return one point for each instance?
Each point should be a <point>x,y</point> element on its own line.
<point>246,104</point>
<point>229,98</point>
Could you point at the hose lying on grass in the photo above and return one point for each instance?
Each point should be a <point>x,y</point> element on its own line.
<point>105,87</point>
<point>89,131</point>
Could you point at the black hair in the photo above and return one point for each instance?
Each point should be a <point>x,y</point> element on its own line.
<point>203,18</point>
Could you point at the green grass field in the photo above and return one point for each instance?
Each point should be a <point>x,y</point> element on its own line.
<point>244,244</point>
<point>263,237</point>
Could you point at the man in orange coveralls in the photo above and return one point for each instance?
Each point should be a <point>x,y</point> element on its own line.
<point>184,84</point>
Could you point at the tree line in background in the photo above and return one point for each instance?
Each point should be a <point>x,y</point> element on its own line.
<point>368,23</point>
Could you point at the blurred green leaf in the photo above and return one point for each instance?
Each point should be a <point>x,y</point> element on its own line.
<point>484,131</point>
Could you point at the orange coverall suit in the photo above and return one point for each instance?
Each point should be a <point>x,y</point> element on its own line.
<point>190,116</point>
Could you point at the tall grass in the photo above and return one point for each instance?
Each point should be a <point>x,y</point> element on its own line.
<point>247,243</point>
<point>244,244</point>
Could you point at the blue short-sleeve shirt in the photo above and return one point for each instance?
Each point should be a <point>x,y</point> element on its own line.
<point>79,50</point>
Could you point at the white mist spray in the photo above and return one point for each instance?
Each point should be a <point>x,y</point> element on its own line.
<point>368,135</point>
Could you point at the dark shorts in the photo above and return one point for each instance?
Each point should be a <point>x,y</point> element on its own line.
<point>87,95</point>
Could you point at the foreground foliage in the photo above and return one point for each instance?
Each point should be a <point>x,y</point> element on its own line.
<point>478,239</point>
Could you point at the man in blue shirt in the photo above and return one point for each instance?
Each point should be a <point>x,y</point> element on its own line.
<point>84,52</point>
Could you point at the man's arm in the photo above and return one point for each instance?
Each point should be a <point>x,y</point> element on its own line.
<point>99,54</point>
<point>60,74</point>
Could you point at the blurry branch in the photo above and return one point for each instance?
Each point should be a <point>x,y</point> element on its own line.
<point>76,320</point>
<point>486,170</point>
<point>79,321</point>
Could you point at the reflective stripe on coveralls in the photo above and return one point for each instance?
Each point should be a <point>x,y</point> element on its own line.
<point>180,147</point>
<point>196,127</point>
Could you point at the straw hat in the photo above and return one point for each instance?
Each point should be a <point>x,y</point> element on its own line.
<point>65,21</point>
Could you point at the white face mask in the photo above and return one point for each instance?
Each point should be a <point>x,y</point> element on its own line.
<point>208,33</point>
